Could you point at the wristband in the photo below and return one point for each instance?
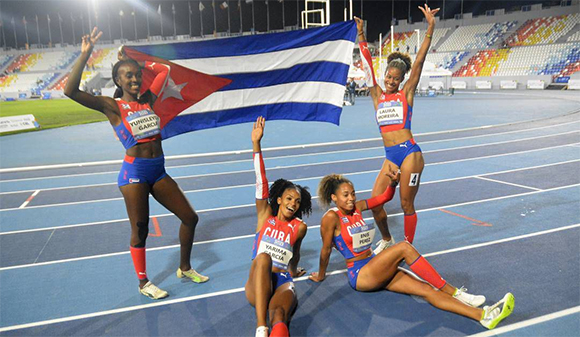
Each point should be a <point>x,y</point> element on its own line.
<point>429,36</point>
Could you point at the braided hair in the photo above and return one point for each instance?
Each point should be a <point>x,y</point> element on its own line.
<point>328,186</point>
<point>281,185</point>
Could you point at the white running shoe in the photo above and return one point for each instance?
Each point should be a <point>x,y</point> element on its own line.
<point>383,244</point>
<point>152,291</point>
<point>493,315</point>
<point>471,300</point>
<point>262,331</point>
<point>192,275</point>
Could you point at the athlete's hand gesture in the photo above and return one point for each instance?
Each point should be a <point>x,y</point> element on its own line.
<point>429,14</point>
<point>88,41</point>
<point>258,130</point>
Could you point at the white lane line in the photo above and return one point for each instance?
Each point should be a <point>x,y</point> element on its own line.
<point>508,183</point>
<point>24,204</point>
<point>57,166</point>
<point>529,322</point>
<point>266,159</point>
<point>276,168</point>
<point>45,244</point>
<point>252,235</point>
<point>251,205</point>
<point>237,290</point>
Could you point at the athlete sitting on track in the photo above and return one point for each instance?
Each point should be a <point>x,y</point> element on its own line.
<point>394,109</point>
<point>143,170</point>
<point>276,251</point>
<point>344,227</point>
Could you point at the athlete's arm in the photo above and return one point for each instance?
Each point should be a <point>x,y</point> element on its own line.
<point>383,198</point>
<point>103,104</point>
<point>367,62</point>
<point>263,209</point>
<point>293,264</point>
<point>161,72</point>
<point>417,68</point>
<point>327,227</point>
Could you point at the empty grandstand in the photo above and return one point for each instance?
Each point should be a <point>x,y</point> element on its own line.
<point>525,45</point>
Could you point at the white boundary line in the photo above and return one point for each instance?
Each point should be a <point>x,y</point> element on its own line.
<point>42,167</point>
<point>252,235</point>
<point>237,290</point>
<point>24,204</point>
<point>320,163</point>
<point>529,322</point>
<point>278,157</point>
<point>251,205</point>
<point>508,183</point>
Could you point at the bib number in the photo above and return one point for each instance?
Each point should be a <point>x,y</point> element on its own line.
<point>144,124</point>
<point>362,237</point>
<point>281,252</point>
<point>390,113</point>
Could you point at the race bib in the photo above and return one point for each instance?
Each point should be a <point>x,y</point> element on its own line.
<point>362,237</point>
<point>144,124</point>
<point>280,251</point>
<point>390,113</point>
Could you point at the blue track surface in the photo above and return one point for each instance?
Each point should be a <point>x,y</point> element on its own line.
<point>64,254</point>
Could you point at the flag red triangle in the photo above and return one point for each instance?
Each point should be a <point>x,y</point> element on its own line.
<point>188,86</point>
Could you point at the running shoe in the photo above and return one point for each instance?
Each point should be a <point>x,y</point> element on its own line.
<point>262,331</point>
<point>383,244</point>
<point>192,275</point>
<point>152,291</point>
<point>471,300</point>
<point>493,315</point>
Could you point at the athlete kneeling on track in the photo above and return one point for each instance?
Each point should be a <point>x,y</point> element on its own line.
<point>343,226</point>
<point>143,170</point>
<point>276,251</point>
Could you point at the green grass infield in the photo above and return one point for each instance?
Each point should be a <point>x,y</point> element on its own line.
<point>49,114</point>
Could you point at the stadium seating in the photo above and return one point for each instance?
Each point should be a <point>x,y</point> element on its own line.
<point>402,40</point>
<point>476,37</point>
<point>543,30</point>
<point>575,36</point>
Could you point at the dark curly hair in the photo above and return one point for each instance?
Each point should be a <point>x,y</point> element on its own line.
<point>328,186</point>
<point>399,61</point>
<point>281,185</point>
<point>119,91</point>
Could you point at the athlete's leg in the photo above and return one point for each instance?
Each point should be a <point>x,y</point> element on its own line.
<point>259,286</point>
<point>281,307</point>
<point>403,283</point>
<point>381,268</point>
<point>411,170</point>
<point>381,184</point>
<point>137,202</point>
<point>167,193</point>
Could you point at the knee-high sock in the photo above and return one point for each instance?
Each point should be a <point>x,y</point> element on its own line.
<point>280,330</point>
<point>138,256</point>
<point>426,271</point>
<point>410,226</point>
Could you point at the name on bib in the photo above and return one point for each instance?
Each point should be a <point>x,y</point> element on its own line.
<point>362,237</point>
<point>389,113</point>
<point>280,251</point>
<point>144,124</point>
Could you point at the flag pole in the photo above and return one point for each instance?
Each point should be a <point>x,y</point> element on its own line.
<point>267,16</point>
<point>214,20</point>
<point>201,17</point>
<point>229,25</point>
<point>49,33</point>
<point>135,22</point>
<point>147,15</point>
<point>60,27</point>
<point>72,23</point>
<point>26,30</point>
<point>241,20</point>
<point>174,27</point>
<point>189,16</point>
<point>253,21</point>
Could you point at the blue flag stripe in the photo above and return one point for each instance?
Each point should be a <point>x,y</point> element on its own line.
<point>250,45</point>
<point>320,112</point>
<point>316,71</point>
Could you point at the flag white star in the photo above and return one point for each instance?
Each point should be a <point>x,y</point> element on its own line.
<point>173,90</point>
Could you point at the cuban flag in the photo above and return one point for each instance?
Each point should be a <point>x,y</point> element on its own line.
<point>298,75</point>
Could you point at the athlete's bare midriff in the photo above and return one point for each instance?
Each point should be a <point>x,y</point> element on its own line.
<point>393,138</point>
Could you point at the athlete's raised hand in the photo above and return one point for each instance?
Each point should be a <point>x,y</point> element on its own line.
<point>429,14</point>
<point>258,130</point>
<point>88,41</point>
<point>359,24</point>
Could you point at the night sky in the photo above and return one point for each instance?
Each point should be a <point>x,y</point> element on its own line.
<point>75,15</point>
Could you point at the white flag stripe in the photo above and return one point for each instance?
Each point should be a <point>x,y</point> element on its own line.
<point>331,51</point>
<point>303,92</point>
